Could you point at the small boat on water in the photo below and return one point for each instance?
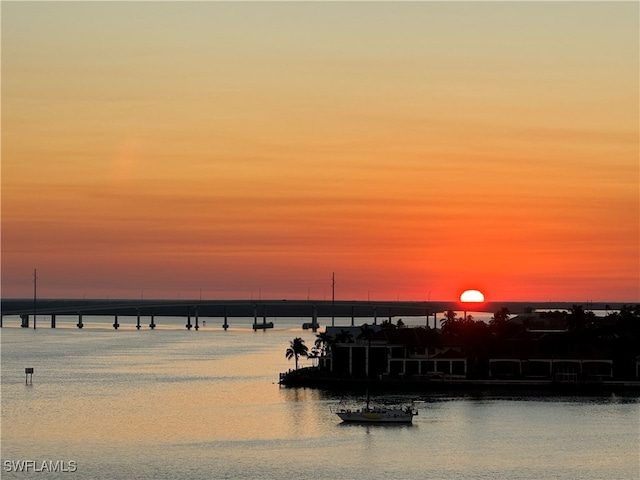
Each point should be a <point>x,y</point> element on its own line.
<point>262,326</point>
<point>368,414</point>
<point>377,415</point>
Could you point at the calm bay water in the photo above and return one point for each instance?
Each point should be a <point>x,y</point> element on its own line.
<point>180,404</point>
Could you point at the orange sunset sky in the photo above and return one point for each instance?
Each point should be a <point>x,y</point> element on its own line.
<point>237,150</point>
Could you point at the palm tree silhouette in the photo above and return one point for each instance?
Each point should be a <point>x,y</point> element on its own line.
<point>450,321</point>
<point>344,336</point>
<point>323,342</point>
<point>297,349</point>
<point>499,318</point>
<point>367,334</point>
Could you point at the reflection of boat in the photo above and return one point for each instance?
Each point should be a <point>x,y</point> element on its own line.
<point>370,414</point>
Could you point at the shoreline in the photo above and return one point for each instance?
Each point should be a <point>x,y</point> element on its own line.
<point>310,377</point>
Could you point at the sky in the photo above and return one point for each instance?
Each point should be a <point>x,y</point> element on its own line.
<point>236,150</point>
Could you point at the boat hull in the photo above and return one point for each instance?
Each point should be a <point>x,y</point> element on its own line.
<point>376,416</point>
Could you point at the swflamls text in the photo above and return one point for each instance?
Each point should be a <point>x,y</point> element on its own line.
<point>40,466</point>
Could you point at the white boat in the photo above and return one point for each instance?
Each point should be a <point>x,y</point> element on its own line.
<point>377,415</point>
<point>368,414</point>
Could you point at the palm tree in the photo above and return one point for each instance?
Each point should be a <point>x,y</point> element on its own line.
<point>578,319</point>
<point>450,321</point>
<point>314,355</point>
<point>296,349</point>
<point>323,343</point>
<point>344,336</point>
<point>499,318</point>
<point>367,333</point>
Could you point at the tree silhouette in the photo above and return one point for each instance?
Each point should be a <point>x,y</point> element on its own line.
<point>578,319</point>
<point>344,336</point>
<point>449,322</point>
<point>367,333</point>
<point>297,349</point>
<point>323,342</point>
<point>314,355</point>
<point>499,320</point>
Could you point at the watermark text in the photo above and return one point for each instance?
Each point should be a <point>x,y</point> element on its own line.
<point>40,466</point>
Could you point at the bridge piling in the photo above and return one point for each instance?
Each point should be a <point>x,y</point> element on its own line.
<point>79,324</point>
<point>53,320</point>
<point>225,325</point>
<point>197,327</point>
<point>152,325</point>
<point>115,322</point>
<point>314,319</point>
<point>138,322</point>
<point>188,325</point>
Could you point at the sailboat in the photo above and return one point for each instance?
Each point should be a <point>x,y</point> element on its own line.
<point>369,414</point>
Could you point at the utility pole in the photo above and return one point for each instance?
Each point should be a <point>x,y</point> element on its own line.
<point>333,299</point>
<point>35,284</point>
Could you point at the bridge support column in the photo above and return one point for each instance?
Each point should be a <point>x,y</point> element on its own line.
<point>255,316</point>
<point>375,316</point>
<point>225,325</point>
<point>353,317</point>
<point>138,322</point>
<point>188,325</point>
<point>115,322</point>
<point>24,321</point>
<point>314,319</point>
<point>197,327</point>
<point>79,324</point>
<point>152,325</point>
<point>53,320</point>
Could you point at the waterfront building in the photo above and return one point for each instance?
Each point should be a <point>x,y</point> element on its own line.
<point>422,353</point>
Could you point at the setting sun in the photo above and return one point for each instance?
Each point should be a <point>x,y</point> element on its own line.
<point>474,296</point>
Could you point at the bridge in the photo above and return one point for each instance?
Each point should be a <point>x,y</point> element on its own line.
<point>313,309</point>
